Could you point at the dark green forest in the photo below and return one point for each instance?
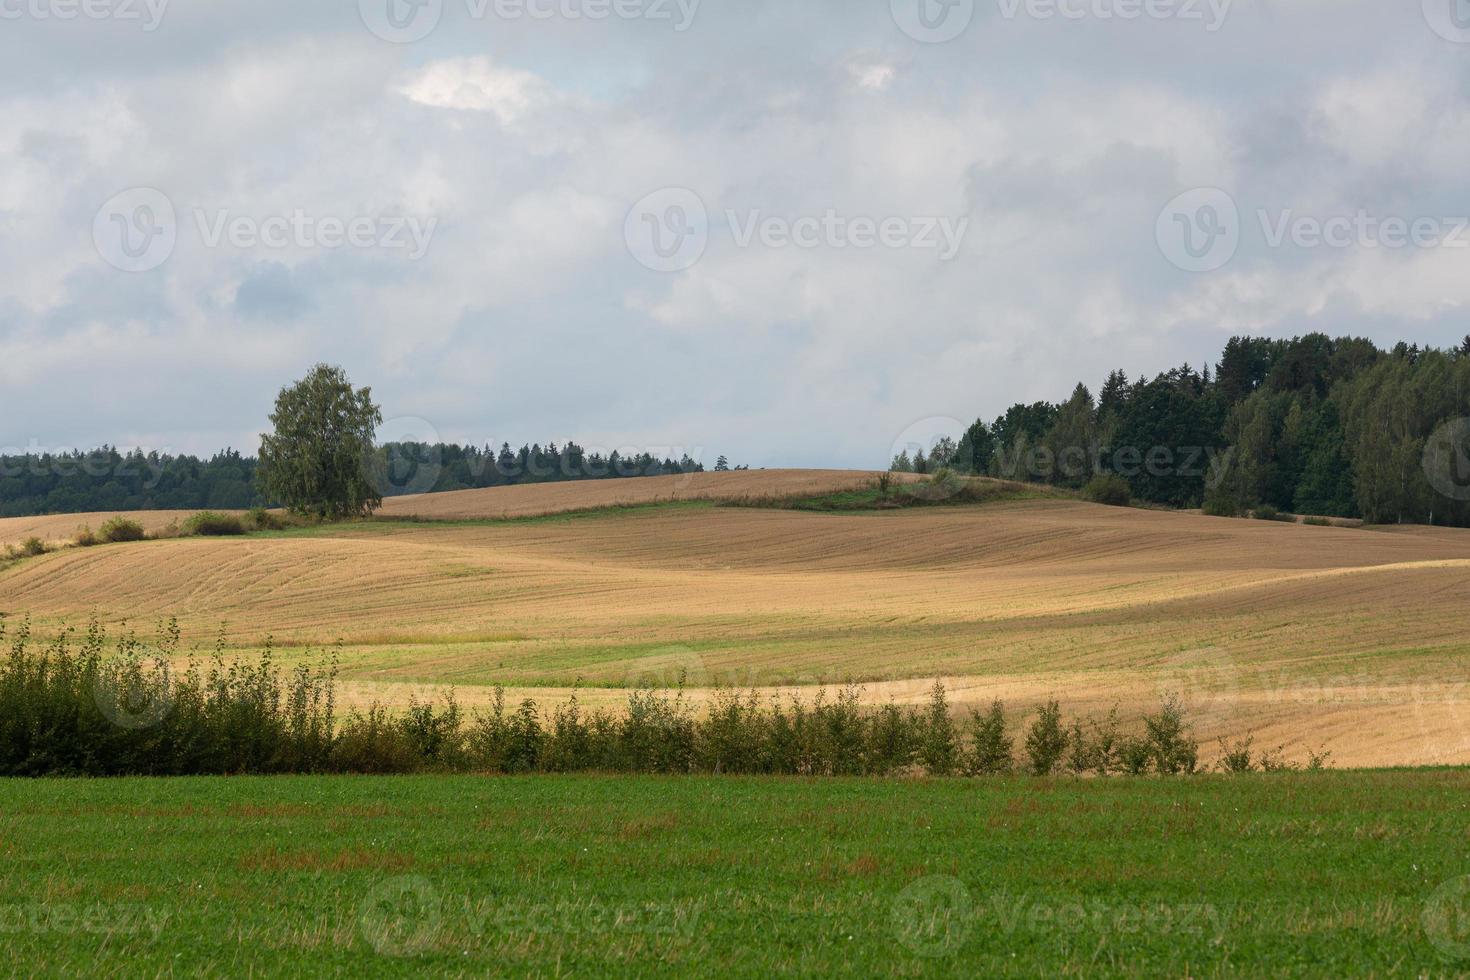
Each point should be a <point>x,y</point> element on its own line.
<point>107,480</point>
<point>1312,425</point>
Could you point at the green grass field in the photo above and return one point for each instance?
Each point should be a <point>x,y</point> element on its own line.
<point>1326,874</point>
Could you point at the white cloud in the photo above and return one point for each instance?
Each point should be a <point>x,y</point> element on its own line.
<point>477,85</point>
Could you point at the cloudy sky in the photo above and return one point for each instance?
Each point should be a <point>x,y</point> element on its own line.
<point>791,231</point>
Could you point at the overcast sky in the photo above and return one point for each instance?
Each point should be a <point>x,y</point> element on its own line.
<point>791,231</point>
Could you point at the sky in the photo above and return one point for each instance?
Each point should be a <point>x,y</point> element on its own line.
<point>794,232</point>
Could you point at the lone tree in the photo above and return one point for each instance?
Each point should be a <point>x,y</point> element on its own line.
<point>316,462</point>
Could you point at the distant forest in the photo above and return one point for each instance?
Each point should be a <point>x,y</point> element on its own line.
<point>106,480</point>
<point>1313,425</point>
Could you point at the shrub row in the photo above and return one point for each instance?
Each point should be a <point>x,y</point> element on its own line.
<point>71,706</point>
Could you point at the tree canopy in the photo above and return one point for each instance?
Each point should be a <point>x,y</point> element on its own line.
<point>316,462</point>
<point>1314,425</point>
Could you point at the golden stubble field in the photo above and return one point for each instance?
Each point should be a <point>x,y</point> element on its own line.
<point>1352,639</point>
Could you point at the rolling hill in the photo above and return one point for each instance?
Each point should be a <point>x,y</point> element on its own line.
<point>1353,639</point>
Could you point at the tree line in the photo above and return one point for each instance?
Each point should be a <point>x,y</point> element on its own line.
<point>108,479</point>
<point>1312,425</point>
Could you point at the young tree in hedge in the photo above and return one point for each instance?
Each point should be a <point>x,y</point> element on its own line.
<point>316,461</point>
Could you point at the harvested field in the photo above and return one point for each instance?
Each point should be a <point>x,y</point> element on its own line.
<point>1355,639</point>
<point>57,529</point>
<point>538,500</point>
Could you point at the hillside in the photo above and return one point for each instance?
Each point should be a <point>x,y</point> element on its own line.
<point>538,500</point>
<point>1352,638</point>
<point>529,500</point>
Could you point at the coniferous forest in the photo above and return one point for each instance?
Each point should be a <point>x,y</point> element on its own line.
<point>105,479</point>
<point>1312,425</point>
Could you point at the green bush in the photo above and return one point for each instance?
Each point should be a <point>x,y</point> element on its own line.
<point>1046,740</point>
<point>121,529</point>
<point>1134,755</point>
<point>211,524</point>
<point>86,537</point>
<point>32,547</point>
<point>991,747</point>
<point>1110,489</point>
<point>71,707</point>
<point>260,519</point>
<point>1170,744</point>
<point>1237,757</point>
<point>1266,512</point>
<point>1221,506</point>
<point>938,741</point>
<point>1317,522</point>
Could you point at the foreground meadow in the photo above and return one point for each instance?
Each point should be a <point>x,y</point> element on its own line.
<point>1325,874</point>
